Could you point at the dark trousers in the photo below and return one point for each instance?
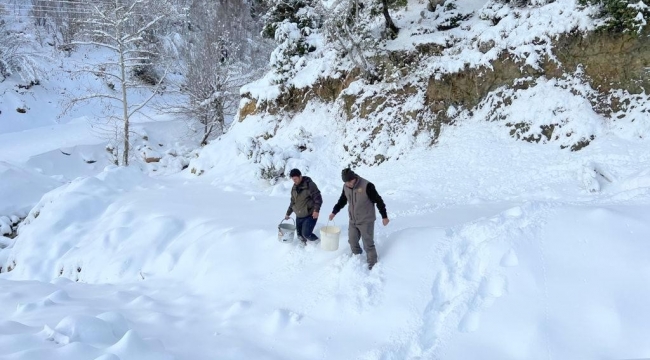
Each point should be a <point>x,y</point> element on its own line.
<point>305,226</point>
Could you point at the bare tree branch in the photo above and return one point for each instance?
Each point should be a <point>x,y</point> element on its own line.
<point>119,27</point>
<point>95,43</point>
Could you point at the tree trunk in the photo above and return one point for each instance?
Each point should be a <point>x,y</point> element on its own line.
<point>204,141</point>
<point>220,116</point>
<point>390,26</point>
<point>125,104</point>
<point>218,121</point>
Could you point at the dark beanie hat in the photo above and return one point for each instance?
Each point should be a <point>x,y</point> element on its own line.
<point>295,173</point>
<point>347,175</point>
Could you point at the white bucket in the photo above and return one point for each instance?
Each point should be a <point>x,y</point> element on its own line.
<point>286,232</point>
<point>329,237</point>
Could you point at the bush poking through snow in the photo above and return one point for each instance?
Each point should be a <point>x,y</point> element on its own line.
<point>451,17</point>
<point>147,74</point>
<point>8,227</point>
<point>622,16</point>
<point>159,157</point>
<point>271,159</point>
<point>593,176</point>
<point>302,140</point>
<point>5,226</point>
<point>631,115</point>
<point>274,162</point>
<point>524,3</point>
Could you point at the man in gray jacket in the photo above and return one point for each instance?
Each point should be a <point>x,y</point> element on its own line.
<point>306,201</point>
<point>361,197</point>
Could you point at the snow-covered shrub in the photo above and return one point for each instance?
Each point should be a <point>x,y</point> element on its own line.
<point>622,15</point>
<point>161,158</point>
<point>113,152</point>
<point>565,117</point>
<point>5,226</point>
<point>8,226</point>
<point>631,116</point>
<point>524,3</point>
<point>275,162</point>
<point>147,74</point>
<point>496,10</point>
<point>302,140</point>
<point>594,176</point>
<point>450,16</point>
<point>272,160</point>
<point>173,161</point>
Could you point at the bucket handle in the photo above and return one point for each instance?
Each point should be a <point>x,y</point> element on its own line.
<point>332,221</point>
<point>283,220</point>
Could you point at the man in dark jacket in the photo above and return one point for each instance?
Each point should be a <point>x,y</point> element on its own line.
<point>361,196</point>
<point>306,201</point>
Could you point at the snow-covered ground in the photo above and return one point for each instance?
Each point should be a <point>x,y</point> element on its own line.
<point>484,257</point>
<point>43,147</point>
<point>497,248</point>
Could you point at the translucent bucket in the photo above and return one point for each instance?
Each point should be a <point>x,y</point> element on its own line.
<point>329,237</point>
<point>286,232</point>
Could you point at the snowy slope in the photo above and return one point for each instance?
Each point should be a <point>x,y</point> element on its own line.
<point>44,146</point>
<point>510,279</point>
<point>485,254</point>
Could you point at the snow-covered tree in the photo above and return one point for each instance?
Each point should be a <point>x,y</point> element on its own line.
<point>224,53</point>
<point>350,26</point>
<point>290,23</point>
<point>62,19</point>
<point>391,29</point>
<point>123,28</point>
<point>354,27</point>
<point>18,55</point>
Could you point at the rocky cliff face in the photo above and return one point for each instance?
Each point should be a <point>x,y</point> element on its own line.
<point>425,102</point>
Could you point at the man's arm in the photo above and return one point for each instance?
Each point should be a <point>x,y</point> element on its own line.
<point>373,195</point>
<point>316,196</point>
<point>341,203</point>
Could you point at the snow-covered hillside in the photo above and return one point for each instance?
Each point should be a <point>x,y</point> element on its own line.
<point>497,248</point>
<point>197,271</point>
<point>431,78</point>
